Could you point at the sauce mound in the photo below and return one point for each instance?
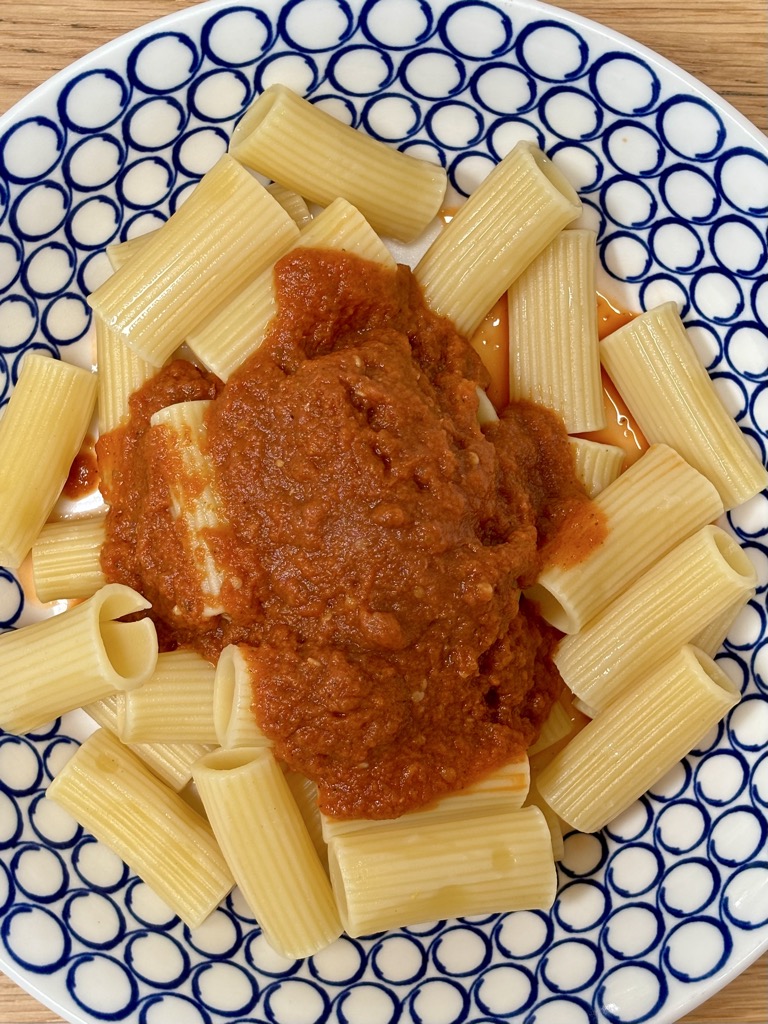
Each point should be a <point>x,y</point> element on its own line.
<point>374,539</point>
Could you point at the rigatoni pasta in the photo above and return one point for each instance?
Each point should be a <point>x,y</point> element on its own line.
<point>236,330</point>
<point>302,147</point>
<point>233,717</point>
<point>109,791</point>
<point>179,431</point>
<point>74,658</point>
<point>66,563</point>
<point>267,845</point>
<point>387,878</point>
<point>654,365</point>
<point>596,464</point>
<point>553,339</point>
<point>41,431</point>
<point>507,221</point>
<point>121,372</point>
<point>170,762</point>
<point>228,230</point>
<point>659,501</point>
<point>670,605</point>
<point>175,705</point>
<point>634,741</point>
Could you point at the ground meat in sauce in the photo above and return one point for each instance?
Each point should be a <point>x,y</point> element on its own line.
<point>375,539</point>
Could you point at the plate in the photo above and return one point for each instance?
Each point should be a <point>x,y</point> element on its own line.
<point>671,900</point>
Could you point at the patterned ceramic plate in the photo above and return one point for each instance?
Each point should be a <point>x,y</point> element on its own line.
<point>671,901</point>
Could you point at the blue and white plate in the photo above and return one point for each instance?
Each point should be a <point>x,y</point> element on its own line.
<point>670,902</point>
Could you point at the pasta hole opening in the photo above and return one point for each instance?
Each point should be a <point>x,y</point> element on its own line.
<point>255,115</point>
<point>735,556</point>
<point>115,600</point>
<point>716,674</point>
<point>131,650</point>
<point>551,609</point>
<point>555,176</point>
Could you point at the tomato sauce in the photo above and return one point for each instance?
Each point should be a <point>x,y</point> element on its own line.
<point>83,476</point>
<point>374,539</point>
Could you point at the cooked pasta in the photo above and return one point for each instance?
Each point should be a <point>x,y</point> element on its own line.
<point>109,791</point>
<point>636,740</point>
<point>307,150</point>
<point>74,658</point>
<point>654,365</point>
<point>659,501</point>
<point>268,848</point>
<point>698,581</point>
<point>66,561</point>
<point>223,236</point>
<point>553,340</point>
<point>507,221</point>
<point>390,878</point>
<point>41,431</point>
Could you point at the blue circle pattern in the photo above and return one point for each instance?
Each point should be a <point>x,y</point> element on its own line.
<point>677,201</point>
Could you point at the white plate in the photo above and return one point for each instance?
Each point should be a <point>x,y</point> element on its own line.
<point>665,906</point>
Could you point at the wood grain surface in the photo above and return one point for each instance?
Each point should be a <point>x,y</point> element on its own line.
<point>723,43</point>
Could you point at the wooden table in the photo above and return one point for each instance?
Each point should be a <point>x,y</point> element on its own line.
<point>723,43</point>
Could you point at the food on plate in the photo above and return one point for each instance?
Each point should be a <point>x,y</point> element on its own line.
<point>317,497</point>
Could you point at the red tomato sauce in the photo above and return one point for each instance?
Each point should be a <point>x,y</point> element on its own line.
<point>374,539</point>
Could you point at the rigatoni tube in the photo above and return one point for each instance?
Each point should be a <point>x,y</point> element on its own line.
<point>391,878</point>
<point>621,753</point>
<point>71,659</point>
<point>233,717</point>
<point>289,139</point>
<point>553,340</point>
<point>113,795</point>
<point>175,705</point>
<point>655,367</point>
<point>66,562</point>
<point>658,502</point>
<point>227,232</point>
<point>226,339</point>
<point>170,762</point>
<point>671,604</point>
<point>41,431</point>
<point>268,848</point>
<point>507,221</point>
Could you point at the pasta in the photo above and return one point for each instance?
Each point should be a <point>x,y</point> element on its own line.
<point>654,365</point>
<point>386,878</point>
<point>228,337</point>
<point>597,465</point>
<point>507,221</point>
<point>41,431</point>
<point>700,580</point>
<point>188,477</point>
<point>269,849</point>
<point>72,659</point>
<point>233,717</point>
<point>553,351</point>
<point>659,501</point>
<point>65,559</point>
<point>302,147</point>
<point>635,740</point>
<point>175,705</point>
<point>170,762</point>
<point>109,791</point>
<point>222,237</point>
<point>643,611</point>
